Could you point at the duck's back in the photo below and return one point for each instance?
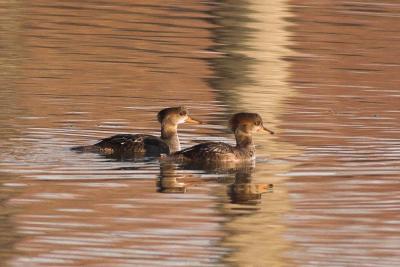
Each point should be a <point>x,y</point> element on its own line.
<point>128,145</point>
<point>211,151</point>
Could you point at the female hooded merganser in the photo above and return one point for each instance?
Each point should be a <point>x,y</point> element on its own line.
<point>243,125</point>
<point>134,145</point>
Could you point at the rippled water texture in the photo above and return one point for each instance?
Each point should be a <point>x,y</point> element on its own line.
<point>323,74</point>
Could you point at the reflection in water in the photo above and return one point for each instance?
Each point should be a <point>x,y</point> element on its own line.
<point>254,79</point>
<point>9,236</point>
<point>167,181</point>
<point>233,69</point>
<point>241,191</point>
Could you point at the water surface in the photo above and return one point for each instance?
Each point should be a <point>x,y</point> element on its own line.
<point>322,74</point>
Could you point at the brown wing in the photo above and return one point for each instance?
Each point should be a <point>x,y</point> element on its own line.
<point>207,151</point>
<point>129,145</point>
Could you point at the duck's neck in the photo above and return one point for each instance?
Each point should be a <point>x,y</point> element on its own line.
<point>244,141</point>
<point>169,133</point>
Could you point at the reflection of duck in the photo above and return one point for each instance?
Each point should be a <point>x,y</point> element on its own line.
<point>131,145</point>
<point>242,191</point>
<point>167,181</point>
<point>243,125</point>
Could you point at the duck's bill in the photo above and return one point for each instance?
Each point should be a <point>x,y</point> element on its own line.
<point>190,119</point>
<point>267,130</point>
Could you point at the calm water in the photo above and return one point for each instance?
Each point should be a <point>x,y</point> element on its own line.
<point>323,74</point>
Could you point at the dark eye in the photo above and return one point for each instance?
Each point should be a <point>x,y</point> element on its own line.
<point>258,123</point>
<point>183,113</point>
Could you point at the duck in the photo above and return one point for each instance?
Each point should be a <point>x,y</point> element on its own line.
<point>136,145</point>
<point>243,125</point>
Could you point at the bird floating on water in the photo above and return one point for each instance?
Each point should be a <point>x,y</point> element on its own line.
<point>243,125</point>
<point>136,145</point>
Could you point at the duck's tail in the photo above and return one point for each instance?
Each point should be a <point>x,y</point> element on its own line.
<point>174,157</point>
<point>82,149</point>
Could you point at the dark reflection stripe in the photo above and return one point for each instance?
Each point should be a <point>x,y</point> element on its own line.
<point>118,11</point>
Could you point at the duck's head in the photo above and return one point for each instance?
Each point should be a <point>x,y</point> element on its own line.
<point>247,123</point>
<point>175,116</point>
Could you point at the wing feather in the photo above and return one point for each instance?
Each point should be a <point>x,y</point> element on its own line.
<point>210,150</point>
<point>129,144</point>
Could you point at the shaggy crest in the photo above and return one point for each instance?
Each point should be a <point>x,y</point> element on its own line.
<point>168,111</point>
<point>244,118</point>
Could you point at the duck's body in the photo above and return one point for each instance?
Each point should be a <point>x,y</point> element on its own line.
<point>215,152</point>
<point>137,145</point>
<point>243,125</point>
<point>128,145</point>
